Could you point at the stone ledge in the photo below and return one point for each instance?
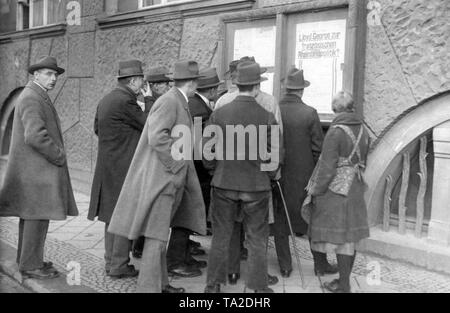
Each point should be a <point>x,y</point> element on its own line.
<point>310,6</point>
<point>407,248</point>
<point>39,32</point>
<point>173,11</point>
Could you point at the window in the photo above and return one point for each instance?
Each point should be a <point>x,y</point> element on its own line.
<point>315,42</point>
<point>7,16</point>
<point>247,39</point>
<point>149,3</point>
<point>46,12</point>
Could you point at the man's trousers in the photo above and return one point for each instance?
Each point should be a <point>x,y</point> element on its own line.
<point>30,249</point>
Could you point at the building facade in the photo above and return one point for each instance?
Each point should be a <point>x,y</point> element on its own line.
<point>391,54</point>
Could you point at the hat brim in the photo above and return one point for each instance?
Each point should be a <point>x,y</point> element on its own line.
<point>130,75</point>
<point>211,85</point>
<point>155,81</point>
<point>37,67</point>
<point>253,82</point>
<point>184,78</point>
<point>306,84</point>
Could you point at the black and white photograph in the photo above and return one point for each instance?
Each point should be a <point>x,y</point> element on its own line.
<point>244,148</point>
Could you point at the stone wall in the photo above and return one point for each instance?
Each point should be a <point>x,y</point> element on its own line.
<point>406,59</point>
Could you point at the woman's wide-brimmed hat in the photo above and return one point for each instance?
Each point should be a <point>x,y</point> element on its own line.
<point>158,75</point>
<point>295,80</point>
<point>46,62</point>
<point>130,68</point>
<point>209,79</point>
<point>249,73</point>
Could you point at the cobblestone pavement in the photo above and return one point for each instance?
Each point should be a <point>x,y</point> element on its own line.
<point>82,241</point>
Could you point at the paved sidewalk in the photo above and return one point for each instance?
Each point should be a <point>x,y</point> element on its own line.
<point>82,241</point>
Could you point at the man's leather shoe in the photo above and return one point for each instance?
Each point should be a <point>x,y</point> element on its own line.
<point>285,273</point>
<point>40,274</point>
<point>327,270</point>
<point>196,251</point>
<point>265,290</point>
<point>272,280</point>
<point>233,278</point>
<point>171,289</point>
<point>212,289</point>
<point>49,266</point>
<point>185,271</point>
<point>335,287</point>
<point>130,271</point>
<point>197,263</point>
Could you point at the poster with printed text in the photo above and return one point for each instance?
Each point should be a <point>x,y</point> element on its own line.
<point>320,52</point>
<point>258,42</point>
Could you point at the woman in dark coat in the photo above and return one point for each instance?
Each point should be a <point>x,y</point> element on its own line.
<point>339,222</point>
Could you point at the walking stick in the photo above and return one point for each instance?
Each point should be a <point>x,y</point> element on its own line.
<point>293,236</point>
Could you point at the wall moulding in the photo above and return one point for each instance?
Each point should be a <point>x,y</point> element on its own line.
<point>34,33</point>
<point>175,11</point>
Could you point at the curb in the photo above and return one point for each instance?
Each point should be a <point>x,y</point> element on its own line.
<point>9,267</point>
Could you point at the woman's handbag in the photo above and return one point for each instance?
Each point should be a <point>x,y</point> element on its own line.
<point>346,170</point>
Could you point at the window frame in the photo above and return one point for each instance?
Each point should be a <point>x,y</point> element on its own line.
<point>163,3</point>
<point>44,17</point>
<point>354,69</point>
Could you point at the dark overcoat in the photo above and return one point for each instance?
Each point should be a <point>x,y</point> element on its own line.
<point>147,205</point>
<point>199,109</point>
<point>37,184</point>
<point>335,218</point>
<point>118,124</point>
<point>303,138</point>
<point>243,172</point>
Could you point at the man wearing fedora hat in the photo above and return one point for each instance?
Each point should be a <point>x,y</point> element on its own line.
<point>303,138</point>
<point>37,185</point>
<point>180,261</point>
<point>158,84</point>
<point>241,187</point>
<point>161,190</point>
<point>118,124</point>
<point>269,103</point>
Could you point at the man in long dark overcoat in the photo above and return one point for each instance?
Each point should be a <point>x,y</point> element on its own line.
<point>161,189</point>
<point>118,124</point>
<point>303,138</point>
<point>37,185</point>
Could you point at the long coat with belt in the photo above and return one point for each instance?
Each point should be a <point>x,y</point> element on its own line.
<point>303,138</point>
<point>146,205</point>
<point>118,124</point>
<point>335,218</point>
<point>37,184</point>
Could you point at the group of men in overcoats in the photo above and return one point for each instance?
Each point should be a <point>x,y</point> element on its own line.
<point>143,192</point>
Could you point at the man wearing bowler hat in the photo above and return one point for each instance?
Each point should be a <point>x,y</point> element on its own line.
<point>118,124</point>
<point>37,185</point>
<point>161,189</point>
<point>159,84</point>
<point>303,140</point>
<point>241,183</point>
